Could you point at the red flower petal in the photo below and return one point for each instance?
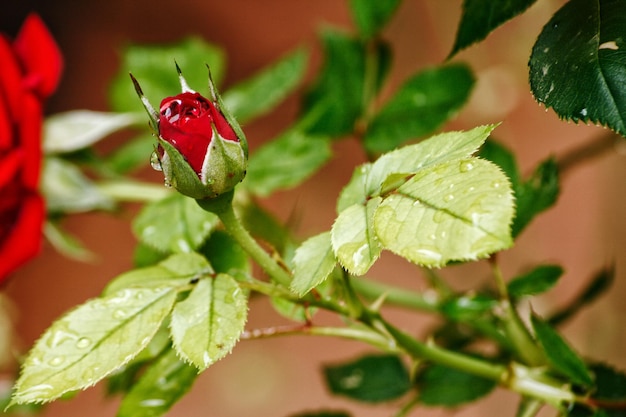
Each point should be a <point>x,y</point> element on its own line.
<point>24,240</point>
<point>10,93</point>
<point>39,54</point>
<point>29,132</point>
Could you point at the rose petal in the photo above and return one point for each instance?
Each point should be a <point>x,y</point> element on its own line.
<point>9,165</point>
<point>29,132</point>
<point>40,56</point>
<point>24,240</point>
<point>10,93</point>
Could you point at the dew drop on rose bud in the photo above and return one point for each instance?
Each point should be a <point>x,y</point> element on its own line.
<point>155,161</point>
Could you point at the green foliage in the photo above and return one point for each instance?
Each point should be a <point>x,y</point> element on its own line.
<point>259,94</point>
<point>468,307</point>
<point>314,261</point>
<point>371,16</point>
<point>132,154</point>
<point>420,106</point>
<point>92,341</point>
<point>154,66</point>
<point>537,281</point>
<point>207,324</point>
<point>577,64</point>
<point>429,203</point>
<point>286,162</point>
<point>371,378</point>
<point>335,102</point>
<point>174,224</point>
<point>443,386</point>
<point>561,356</point>
<point>480,18</point>
<point>161,385</point>
<point>224,254</point>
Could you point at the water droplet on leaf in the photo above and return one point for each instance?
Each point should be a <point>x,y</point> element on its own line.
<point>83,342</point>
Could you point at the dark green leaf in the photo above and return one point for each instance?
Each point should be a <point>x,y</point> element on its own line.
<point>264,226</point>
<point>420,106</point>
<point>537,281</point>
<point>370,16</point>
<point>536,194</point>
<point>145,255</point>
<point>259,94</point>
<point>153,67</point>
<point>174,224</point>
<point>373,378</point>
<point>468,307</point>
<point>503,157</point>
<point>286,162</point>
<point>609,395</point>
<point>335,102</point>
<point>163,383</point>
<point>481,17</point>
<point>560,354</point>
<point>225,254</point>
<point>578,64</point>
<point>443,386</point>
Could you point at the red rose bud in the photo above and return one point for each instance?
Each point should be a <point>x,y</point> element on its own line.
<point>202,150</point>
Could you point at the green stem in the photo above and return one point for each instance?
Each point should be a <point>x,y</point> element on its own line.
<point>223,208</point>
<point>372,290</point>
<point>521,340</point>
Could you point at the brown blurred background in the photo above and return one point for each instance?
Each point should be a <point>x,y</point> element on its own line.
<point>276,377</point>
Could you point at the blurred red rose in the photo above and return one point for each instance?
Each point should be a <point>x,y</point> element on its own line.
<point>30,68</point>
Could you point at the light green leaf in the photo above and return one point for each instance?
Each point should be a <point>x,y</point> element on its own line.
<point>577,64</point>
<point>178,269</point>
<point>314,261</point>
<point>354,241</point>
<point>90,342</point>
<point>174,224</point>
<point>162,384</point>
<point>562,357</point>
<point>355,191</point>
<point>456,210</point>
<point>68,190</point>
<point>208,323</point>
<point>77,129</point>
<point>153,66</point>
<point>420,106</point>
<point>259,94</point>
<point>65,243</point>
<point>439,148</point>
<point>286,162</point>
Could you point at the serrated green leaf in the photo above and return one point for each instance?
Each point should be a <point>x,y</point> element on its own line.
<point>77,129</point>
<point>313,262</point>
<point>420,106</point>
<point>163,383</point>
<point>536,194</point>
<point>561,356</point>
<point>480,18</point>
<point>456,210</point>
<point>225,254</point>
<point>68,190</point>
<point>259,94</point>
<point>335,102</point>
<point>154,67</point>
<point>174,224</point>
<point>442,386</point>
<point>437,149</point>
<point>91,341</point>
<point>286,162</point>
<point>372,378</point>
<point>355,191</point>
<point>177,269</point>
<point>578,66</point>
<point>208,323</point>
<point>371,16</point>
<point>353,237</point>
<point>537,281</point>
